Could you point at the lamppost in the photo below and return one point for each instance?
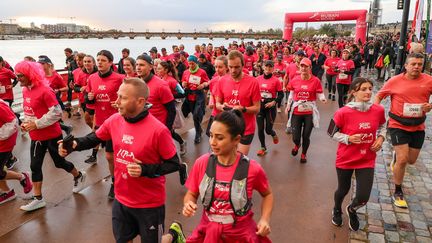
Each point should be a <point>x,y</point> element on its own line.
<point>402,39</point>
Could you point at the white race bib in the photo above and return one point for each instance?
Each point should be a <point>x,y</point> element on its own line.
<point>304,108</point>
<point>343,76</point>
<point>251,73</point>
<point>2,89</point>
<point>371,51</point>
<point>412,110</point>
<point>266,95</point>
<point>194,80</point>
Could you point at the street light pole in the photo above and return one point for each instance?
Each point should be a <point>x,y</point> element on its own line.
<point>403,35</point>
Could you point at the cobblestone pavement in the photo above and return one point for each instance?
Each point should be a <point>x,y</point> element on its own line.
<point>380,221</point>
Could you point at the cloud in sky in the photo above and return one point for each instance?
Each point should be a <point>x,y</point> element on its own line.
<point>185,15</point>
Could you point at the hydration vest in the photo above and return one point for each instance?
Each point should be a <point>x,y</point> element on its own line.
<point>239,200</point>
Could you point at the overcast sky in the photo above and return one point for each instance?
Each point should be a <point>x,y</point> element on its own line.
<point>172,15</point>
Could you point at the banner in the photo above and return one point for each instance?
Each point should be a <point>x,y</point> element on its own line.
<point>418,18</point>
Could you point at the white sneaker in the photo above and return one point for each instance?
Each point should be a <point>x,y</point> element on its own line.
<point>33,205</point>
<point>79,183</point>
<point>279,110</point>
<point>183,148</point>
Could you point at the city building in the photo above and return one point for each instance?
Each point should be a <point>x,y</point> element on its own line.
<point>64,28</point>
<point>8,29</point>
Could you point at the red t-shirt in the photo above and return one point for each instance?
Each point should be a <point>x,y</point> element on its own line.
<point>80,78</point>
<point>160,94</point>
<point>331,62</point>
<point>406,98</point>
<point>287,59</point>
<point>256,180</point>
<point>6,89</point>
<point>350,122</point>
<point>213,87</point>
<point>243,93</point>
<point>279,67</point>
<point>249,61</point>
<point>344,65</point>
<point>7,116</point>
<point>105,92</point>
<point>269,87</point>
<point>55,81</point>
<point>306,90</point>
<point>149,147</point>
<point>292,71</point>
<point>172,83</point>
<point>194,80</point>
<point>36,102</point>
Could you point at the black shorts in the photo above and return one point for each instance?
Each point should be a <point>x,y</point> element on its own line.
<point>247,139</point>
<point>127,223</point>
<point>413,139</point>
<point>4,157</point>
<point>91,112</point>
<point>108,145</point>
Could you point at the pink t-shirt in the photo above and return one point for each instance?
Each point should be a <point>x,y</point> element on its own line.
<point>249,61</point>
<point>344,65</point>
<point>256,180</point>
<point>213,87</point>
<point>7,116</point>
<point>331,62</point>
<point>55,81</point>
<point>306,90</point>
<point>406,98</point>
<point>6,89</point>
<point>269,87</point>
<point>36,102</point>
<point>80,78</point>
<point>243,93</point>
<point>279,67</point>
<point>292,71</point>
<point>160,94</point>
<point>287,60</point>
<point>149,147</point>
<point>194,80</point>
<point>350,122</point>
<point>105,92</point>
<point>172,83</point>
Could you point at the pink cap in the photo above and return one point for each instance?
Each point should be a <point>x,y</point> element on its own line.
<point>306,61</point>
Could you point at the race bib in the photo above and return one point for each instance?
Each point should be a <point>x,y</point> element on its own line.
<point>371,52</point>
<point>343,76</point>
<point>2,89</point>
<point>194,80</point>
<point>266,95</point>
<point>412,110</point>
<point>304,108</point>
<point>251,73</point>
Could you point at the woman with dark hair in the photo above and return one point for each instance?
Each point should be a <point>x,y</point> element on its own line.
<point>359,127</point>
<point>330,65</point>
<point>129,67</point>
<point>227,213</point>
<point>345,69</point>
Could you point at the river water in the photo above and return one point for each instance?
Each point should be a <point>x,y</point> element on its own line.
<point>14,51</point>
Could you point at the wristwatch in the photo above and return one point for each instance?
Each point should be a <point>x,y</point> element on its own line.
<point>244,109</point>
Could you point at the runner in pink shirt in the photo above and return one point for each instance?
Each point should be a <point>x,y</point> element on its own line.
<point>6,86</point>
<point>129,67</point>
<point>240,92</point>
<point>227,215</point>
<point>42,113</point>
<point>345,70</point>
<point>330,65</point>
<point>250,59</point>
<point>359,127</point>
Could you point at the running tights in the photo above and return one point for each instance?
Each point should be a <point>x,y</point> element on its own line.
<point>176,137</point>
<point>342,93</point>
<point>364,180</point>
<point>301,130</point>
<point>265,118</point>
<point>331,83</point>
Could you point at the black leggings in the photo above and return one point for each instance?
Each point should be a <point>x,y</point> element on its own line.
<point>176,136</point>
<point>210,122</point>
<point>364,180</point>
<point>342,93</point>
<point>302,126</point>
<point>265,117</point>
<point>37,155</point>
<point>331,83</point>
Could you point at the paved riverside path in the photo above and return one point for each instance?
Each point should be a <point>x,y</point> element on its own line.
<point>380,221</point>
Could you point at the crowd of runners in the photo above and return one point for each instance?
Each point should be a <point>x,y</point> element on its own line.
<point>133,109</point>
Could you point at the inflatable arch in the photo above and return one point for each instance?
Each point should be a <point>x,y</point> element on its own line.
<point>358,15</point>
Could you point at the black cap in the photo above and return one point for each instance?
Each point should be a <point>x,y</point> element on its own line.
<point>153,49</point>
<point>44,59</point>
<point>146,58</point>
<point>202,56</point>
<point>269,63</point>
<point>301,53</point>
<point>1,59</point>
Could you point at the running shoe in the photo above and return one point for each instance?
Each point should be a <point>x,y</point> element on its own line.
<point>303,158</point>
<point>111,194</point>
<point>26,183</point>
<point>77,114</point>
<point>183,148</point>
<point>262,152</point>
<point>325,85</point>
<point>353,221</point>
<point>91,160</point>
<point>33,205</point>
<point>79,183</point>
<point>398,200</point>
<point>177,228</point>
<point>393,161</point>
<point>279,110</point>
<point>295,150</point>
<point>333,97</point>
<point>183,172</point>
<point>197,139</point>
<point>11,162</point>
<point>329,96</point>
<point>275,139</point>
<point>288,130</point>
<point>7,196</point>
<point>337,217</point>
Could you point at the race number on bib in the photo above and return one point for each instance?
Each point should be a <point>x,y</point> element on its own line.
<point>304,108</point>
<point>195,80</point>
<point>2,89</point>
<point>343,76</point>
<point>266,95</point>
<point>412,110</point>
